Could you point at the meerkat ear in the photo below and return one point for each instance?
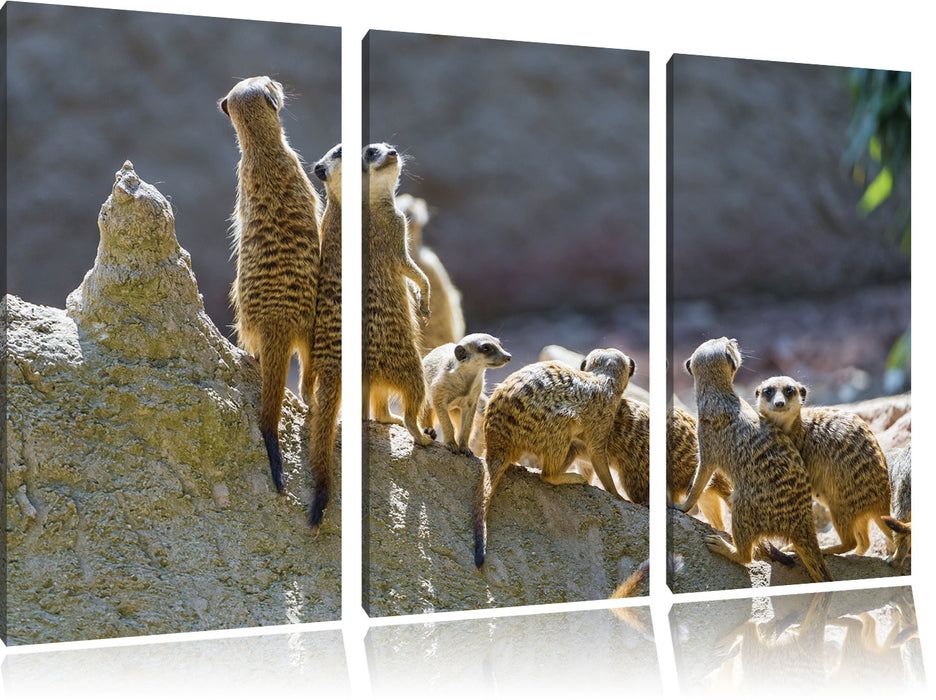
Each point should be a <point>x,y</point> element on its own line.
<point>460,353</point>
<point>222,105</point>
<point>757,393</point>
<point>802,393</point>
<point>582,366</point>
<point>271,99</point>
<point>689,365</point>
<point>633,367</point>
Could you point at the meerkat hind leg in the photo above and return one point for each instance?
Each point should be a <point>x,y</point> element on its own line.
<point>740,554</point>
<point>380,407</point>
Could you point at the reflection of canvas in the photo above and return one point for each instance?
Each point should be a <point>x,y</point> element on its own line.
<point>525,174</point>
<point>140,499</point>
<point>760,204</point>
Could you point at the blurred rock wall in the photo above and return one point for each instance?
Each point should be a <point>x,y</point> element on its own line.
<point>88,89</point>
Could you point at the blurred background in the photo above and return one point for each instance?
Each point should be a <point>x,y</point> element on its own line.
<point>791,223</point>
<point>533,160</point>
<point>88,89</point>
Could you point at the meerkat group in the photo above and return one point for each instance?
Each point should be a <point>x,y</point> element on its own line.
<point>766,465</point>
<point>286,294</point>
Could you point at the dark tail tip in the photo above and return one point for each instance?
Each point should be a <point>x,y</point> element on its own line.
<point>895,524</point>
<point>271,440</point>
<point>480,545</point>
<point>317,509</point>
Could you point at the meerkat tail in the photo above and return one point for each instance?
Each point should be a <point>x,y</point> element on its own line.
<point>894,524</point>
<point>635,584</point>
<point>491,472</point>
<point>324,424</point>
<point>813,561</point>
<point>274,365</point>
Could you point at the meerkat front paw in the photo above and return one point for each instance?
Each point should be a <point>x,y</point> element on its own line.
<point>717,545</point>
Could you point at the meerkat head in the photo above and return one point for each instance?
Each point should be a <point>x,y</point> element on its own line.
<point>779,399</point>
<point>382,166</point>
<point>254,104</point>
<point>610,362</point>
<point>328,170</point>
<point>482,349</point>
<point>716,357</point>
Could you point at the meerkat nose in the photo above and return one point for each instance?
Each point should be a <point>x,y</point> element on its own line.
<point>507,357</point>
<point>779,404</point>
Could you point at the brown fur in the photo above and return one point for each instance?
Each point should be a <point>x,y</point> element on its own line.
<point>276,244</point>
<point>326,353</point>
<point>899,470</point>
<point>846,466</point>
<point>682,458</point>
<point>447,322</point>
<point>544,409</point>
<point>770,496</point>
<point>392,363</point>
<point>455,380</point>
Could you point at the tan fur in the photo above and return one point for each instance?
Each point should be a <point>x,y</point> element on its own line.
<point>898,467</point>
<point>682,458</point>
<point>770,496</point>
<point>635,584</point>
<point>276,244</point>
<point>392,362</point>
<point>326,353</point>
<point>447,322</point>
<point>455,379</point>
<point>846,466</point>
<point>545,409</point>
<point>628,450</point>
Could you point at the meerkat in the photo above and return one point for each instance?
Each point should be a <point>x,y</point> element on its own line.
<point>326,352</point>
<point>898,467</point>
<point>770,488</point>
<point>455,379</point>
<point>447,321</point>
<point>628,447</point>
<point>635,584</point>
<point>392,362</point>
<point>682,458</point>
<point>546,409</point>
<point>275,233</point>
<point>846,466</point>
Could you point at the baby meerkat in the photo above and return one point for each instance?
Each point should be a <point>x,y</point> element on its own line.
<point>326,353</point>
<point>770,496</point>
<point>898,466</point>
<point>275,232</point>
<point>846,466</point>
<point>455,379</point>
<point>392,362</point>
<point>546,409</point>
<point>682,458</point>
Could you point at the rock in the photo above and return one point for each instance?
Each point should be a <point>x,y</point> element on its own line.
<point>139,497</point>
<point>546,544</point>
<point>698,569</point>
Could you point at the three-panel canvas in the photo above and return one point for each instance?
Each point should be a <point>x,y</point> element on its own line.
<point>178,285</point>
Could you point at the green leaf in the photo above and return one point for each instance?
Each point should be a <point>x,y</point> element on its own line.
<point>879,190</point>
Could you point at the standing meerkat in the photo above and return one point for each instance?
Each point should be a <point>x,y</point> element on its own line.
<point>898,467</point>
<point>846,466</point>
<point>546,409</point>
<point>276,243</point>
<point>770,496</point>
<point>682,458</point>
<point>447,322</point>
<point>326,352</point>
<point>392,362</point>
<point>455,379</point>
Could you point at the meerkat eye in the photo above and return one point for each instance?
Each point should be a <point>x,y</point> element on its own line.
<point>337,153</point>
<point>485,348</point>
<point>768,392</point>
<point>789,391</point>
